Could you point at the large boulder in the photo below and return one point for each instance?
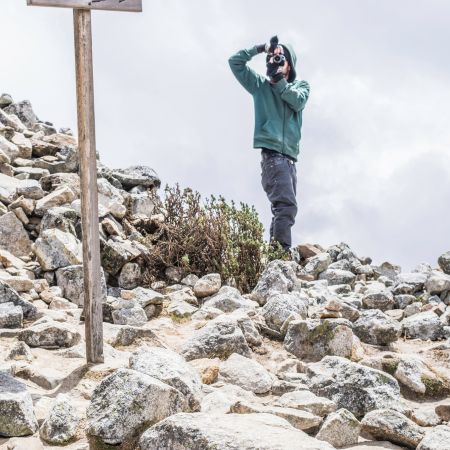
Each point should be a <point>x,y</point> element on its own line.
<point>137,176</point>
<point>352,386</point>
<point>390,425</point>
<point>279,277</point>
<point>61,423</point>
<point>55,248</point>
<point>50,334</point>
<point>282,307</point>
<point>126,402</point>
<point>13,236</point>
<point>375,327</point>
<point>24,111</point>
<point>170,368</point>
<point>228,299</point>
<point>203,431</point>
<point>436,439</point>
<point>16,408</point>
<point>313,339</point>
<point>246,373</point>
<point>219,338</point>
<point>425,325</point>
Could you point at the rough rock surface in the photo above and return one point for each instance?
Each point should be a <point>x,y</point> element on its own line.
<point>436,439</point>
<point>375,327</point>
<point>50,334</point>
<point>340,429</point>
<point>236,431</point>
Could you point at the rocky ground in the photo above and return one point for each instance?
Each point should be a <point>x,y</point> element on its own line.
<point>328,352</point>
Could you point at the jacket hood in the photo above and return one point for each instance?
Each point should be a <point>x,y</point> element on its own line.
<point>292,58</point>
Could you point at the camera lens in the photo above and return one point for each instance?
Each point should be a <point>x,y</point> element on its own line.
<point>279,59</point>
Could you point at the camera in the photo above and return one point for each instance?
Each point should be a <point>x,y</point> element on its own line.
<point>279,60</point>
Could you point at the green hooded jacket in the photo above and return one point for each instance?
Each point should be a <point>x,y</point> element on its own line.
<point>278,107</point>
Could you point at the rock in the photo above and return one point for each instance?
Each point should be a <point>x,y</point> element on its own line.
<point>375,327</point>
<point>111,199</point>
<point>317,264</point>
<point>115,254</point>
<point>16,408</point>
<point>279,277</point>
<point>227,431</point>
<point>207,285</point>
<point>443,411</point>
<point>55,249</point>
<point>302,420</point>
<point>23,144</point>
<point>340,429</point>
<point>50,334</point>
<point>61,423</point>
<point>25,443</point>
<point>174,274</point>
<point>170,368</point>
<point>246,373</point>
<point>409,283</point>
<point>426,325</point>
<point>127,401</point>
<point>181,310</point>
<point>13,236</point>
<point>140,204</point>
<point>24,111</point>
<point>403,300</point>
<point>426,417</point>
<point>388,270</point>
<point>352,386</point>
<point>228,299</point>
<point>61,196</point>
<point>11,316</point>
<point>312,339</point>
<point>436,439</point>
<point>145,297</point>
<point>9,295</point>
<point>247,324</point>
<point>130,276</point>
<point>306,401</point>
<point>437,283</point>
<point>190,280</point>
<point>12,121</point>
<point>20,352</point>
<point>220,400</point>
<point>308,250</point>
<point>134,316</point>
<point>444,262</point>
<point>137,176</point>
<point>219,338</point>
<point>387,424</point>
<point>5,100</point>
<point>282,307</point>
<point>378,297</point>
<point>412,309</point>
<point>337,276</point>
<point>126,335</point>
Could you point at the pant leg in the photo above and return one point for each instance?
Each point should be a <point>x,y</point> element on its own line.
<point>279,180</point>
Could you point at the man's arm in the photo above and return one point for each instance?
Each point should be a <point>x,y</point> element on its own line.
<point>295,94</point>
<point>249,78</point>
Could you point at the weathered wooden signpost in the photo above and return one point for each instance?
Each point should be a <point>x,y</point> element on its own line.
<point>88,162</point>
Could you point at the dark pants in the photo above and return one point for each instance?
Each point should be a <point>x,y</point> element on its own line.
<point>279,181</point>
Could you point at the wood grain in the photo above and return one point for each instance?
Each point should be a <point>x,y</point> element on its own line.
<point>110,5</point>
<point>88,184</point>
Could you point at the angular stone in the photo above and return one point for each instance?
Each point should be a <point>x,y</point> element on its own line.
<point>340,429</point>
<point>436,439</point>
<point>313,339</point>
<point>11,316</point>
<point>13,236</point>
<point>387,424</point>
<point>9,295</point>
<point>283,307</point>
<point>20,352</point>
<point>220,400</point>
<point>375,327</point>
<point>226,432</point>
<point>444,262</point>
<point>55,249</point>
<point>302,420</point>
<point>378,297</point>
<point>181,310</point>
<point>115,254</point>
<point>306,401</point>
<point>352,386</point>
<point>337,276</point>
<point>24,111</point>
<point>426,325</point>
<point>228,299</point>
<point>317,264</point>
<point>16,408</point>
<point>111,198</point>
<point>130,276</point>
<point>170,368</point>
<point>62,196</point>
<point>61,423</point>
<point>246,373</point>
<point>140,204</point>
<point>134,316</point>
<point>10,150</point>
<point>126,402</point>
<point>5,100</point>
<point>137,176</point>
<point>437,283</point>
<point>219,338</point>
<point>50,334</point>
<point>279,277</point>
<point>207,285</point>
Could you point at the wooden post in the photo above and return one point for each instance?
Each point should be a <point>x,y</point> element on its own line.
<point>88,183</point>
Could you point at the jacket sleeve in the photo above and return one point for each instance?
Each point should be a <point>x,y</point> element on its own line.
<point>248,77</point>
<point>295,94</point>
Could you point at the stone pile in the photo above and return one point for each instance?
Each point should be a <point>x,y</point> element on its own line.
<point>327,352</point>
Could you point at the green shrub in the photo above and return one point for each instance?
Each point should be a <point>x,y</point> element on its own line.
<point>208,236</point>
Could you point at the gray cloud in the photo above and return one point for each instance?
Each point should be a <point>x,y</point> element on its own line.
<point>374,166</point>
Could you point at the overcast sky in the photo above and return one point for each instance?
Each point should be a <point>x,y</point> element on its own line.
<point>374,168</point>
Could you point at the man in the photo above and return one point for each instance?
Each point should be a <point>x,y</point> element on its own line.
<point>279,100</point>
